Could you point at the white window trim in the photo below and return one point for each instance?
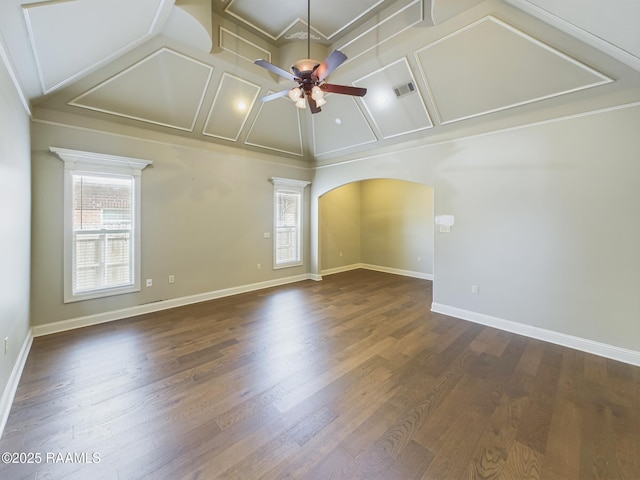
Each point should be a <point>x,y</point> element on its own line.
<point>288,185</point>
<point>78,162</point>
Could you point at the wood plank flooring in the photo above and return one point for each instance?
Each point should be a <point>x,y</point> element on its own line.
<point>349,378</point>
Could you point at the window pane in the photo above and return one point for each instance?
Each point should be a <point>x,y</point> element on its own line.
<point>287,227</point>
<point>102,224</point>
<point>101,202</point>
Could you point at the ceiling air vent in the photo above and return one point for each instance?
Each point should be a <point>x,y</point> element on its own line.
<point>404,89</point>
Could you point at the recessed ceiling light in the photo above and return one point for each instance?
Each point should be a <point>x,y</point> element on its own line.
<point>381,99</point>
<point>241,106</point>
<point>338,121</point>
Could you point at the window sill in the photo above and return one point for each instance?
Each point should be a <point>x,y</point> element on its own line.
<point>106,292</point>
<point>288,265</point>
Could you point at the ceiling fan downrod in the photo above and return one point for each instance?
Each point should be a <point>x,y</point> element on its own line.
<point>310,76</point>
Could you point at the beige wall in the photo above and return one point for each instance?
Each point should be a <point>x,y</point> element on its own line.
<point>340,227</point>
<point>205,210</point>
<point>15,224</point>
<point>547,222</point>
<point>383,223</point>
<point>397,225</point>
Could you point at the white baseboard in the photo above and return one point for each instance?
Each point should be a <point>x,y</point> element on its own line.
<point>590,346</point>
<point>344,268</point>
<point>14,379</point>
<point>378,268</point>
<point>397,271</point>
<point>79,322</point>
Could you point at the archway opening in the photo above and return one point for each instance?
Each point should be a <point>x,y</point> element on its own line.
<point>381,224</point>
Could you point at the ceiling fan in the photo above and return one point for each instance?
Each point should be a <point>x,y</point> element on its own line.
<point>310,75</point>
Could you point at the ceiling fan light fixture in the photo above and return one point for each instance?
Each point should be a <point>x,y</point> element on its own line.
<point>317,93</point>
<point>318,96</point>
<point>295,94</point>
<point>310,75</point>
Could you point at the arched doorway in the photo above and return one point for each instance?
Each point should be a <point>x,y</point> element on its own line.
<point>382,224</point>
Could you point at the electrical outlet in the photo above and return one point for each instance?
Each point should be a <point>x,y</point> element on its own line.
<point>259,266</point>
<point>172,278</point>
<point>475,289</point>
<point>149,282</point>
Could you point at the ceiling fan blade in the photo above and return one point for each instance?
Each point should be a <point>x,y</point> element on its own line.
<point>333,61</point>
<point>274,69</point>
<point>313,106</point>
<point>273,96</point>
<point>344,89</point>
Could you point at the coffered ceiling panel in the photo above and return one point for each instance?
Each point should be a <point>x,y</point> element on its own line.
<point>233,102</point>
<point>598,18</point>
<point>490,66</point>
<point>285,135</point>
<point>328,17</point>
<point>70,37</point>
<point>165,88</point>
<point>242,47</point>
<point>393,100</point>
<point>341,125</point>
<point>433,69</point>
<point>397,18</point>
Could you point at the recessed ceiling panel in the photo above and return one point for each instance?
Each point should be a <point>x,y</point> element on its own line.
<point>242,47</point>
<point>234,100</point>
<point>393,100</point>
<point>328,17</point>
<point>71,37</point>
<point>165,88</point>
<point>620,28</point>
<point>490,66</point>
<point>400,16</point>
<point>284,135</point>
<point>340,125</point>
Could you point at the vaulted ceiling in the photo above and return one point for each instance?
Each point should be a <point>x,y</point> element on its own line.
<point>434,69</point>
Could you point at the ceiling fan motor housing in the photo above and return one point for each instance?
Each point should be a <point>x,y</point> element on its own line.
<point>305,65</point>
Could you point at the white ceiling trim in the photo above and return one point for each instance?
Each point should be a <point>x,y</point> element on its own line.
<point>603,78</point>
<point>362,81</point>
<point>354,145</point>
<point>370,38</point>
<point>579,33</point>
<point>224,46</point>
<point>255,120</point>
<point>76,101</point>
<point>328,36</point>
<point>233,14</point>
<point>248,108</point>
<point>170,140</point>
<point>354,20</point>
<point>36,55</point>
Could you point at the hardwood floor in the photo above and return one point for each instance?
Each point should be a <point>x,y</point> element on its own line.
<point>349,378</point>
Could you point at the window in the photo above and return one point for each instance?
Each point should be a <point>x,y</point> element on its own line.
<point>102,224</point>
<point>288,221</point>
